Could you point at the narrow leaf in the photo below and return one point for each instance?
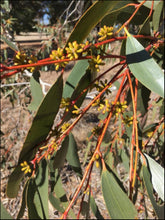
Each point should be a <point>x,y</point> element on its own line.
<point>23,203</point>
<point>4,212</point>
<point>43,120</point>
<point>60,156</point>
<point>10,43</point>
<point>143,66</point>
<point>76,74</point>
<point>147,181</point>
<point>72,155</point>
<point>37,195</point>
<point>92,17</point>
<point>95,208</point>
<point>39,130</point>
<point>36,91</point>
<point>157,176</point>
<point>118,204</point>
<point>56,203</point>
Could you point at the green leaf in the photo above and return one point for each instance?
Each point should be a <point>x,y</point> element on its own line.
<point>77,72</point>
<point>9,43</point>
<point>13,182</point>
<point>37,194</point>
<point>83,84</point>
<point>91,18</point>
<point>118,204</point>
<point>157,176</point>
<point>143,66</point>
<point>95,209</point>
<point>56,203</point>
<point>157,15</point>
<point>60,193</point>
<point>146,177</point>
<point>36,91</point>
<point>60,155</point>
<point>148,4</point>
<point>43,120</point>
<point>39,130</point>
<point>72,155</point>
<point>4,213</point>
<point>24,198</point>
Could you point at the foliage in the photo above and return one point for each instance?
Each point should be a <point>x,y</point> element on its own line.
<point>134,142</point>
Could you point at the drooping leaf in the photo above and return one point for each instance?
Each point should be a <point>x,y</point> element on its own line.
<point>118,204</point>
<point>83,84</point>
<point>37,194</point>
<point>10,44</point>
<point>147,181</point>
<point>43,120</point>
<point>143,66</point>
<point>60,155</point>
<point>39,130</point>
<point>74,77</point>
<point>4,212</point>
<point>72,155</point>
<point>89,19</point>
<point>157,15</point>
<point>13,182</point>
<point>24,198</point>
<point>95,208</point>
<point>148,4</point>
<point>157,176</point>
<point>60,193</point>
<point>56,203</point>
<point>36,91</point>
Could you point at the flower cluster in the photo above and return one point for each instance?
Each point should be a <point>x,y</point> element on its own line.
<point>128,120</point>
<point>25,167</point>
<point>76,110</point>
<point>65,103</point>
<point>101,85</point>
<point>105,32</point>
<point>119,107</point>
<point>32,59</point>
<point>74,49</point>
<point>104,107</point>
<point>65,126</point>
<point>58,55</point>
<point>94,63</point>
<point>20,59</point>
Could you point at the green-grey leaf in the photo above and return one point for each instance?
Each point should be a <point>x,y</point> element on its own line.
<point>143,66</point>
<point>60,156</point>
<point>72,155</point>
<point>118,204</point>
<point>13,182</point>
<point>24,198</point>
<point>36,91</point>
<point>146,177</point>
<point>76,74</point>
<point>95,209</point>
<point>37,195</point>
<point>39,130</point>
<point>10,44</point>
<point>157,176</point>
<point>4,213</point>
<point>157,15</point>
<point>43,120</point>
<point>91,18</point>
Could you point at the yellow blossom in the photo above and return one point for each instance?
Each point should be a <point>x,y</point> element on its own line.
<point>65,126</point>
<point>58,55</point>
<point>20,58</point>
<point>25,167</point>
<point>33,59</point>
<point>94,63</point>
<point>105,32</point>
<point>74,49</point>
